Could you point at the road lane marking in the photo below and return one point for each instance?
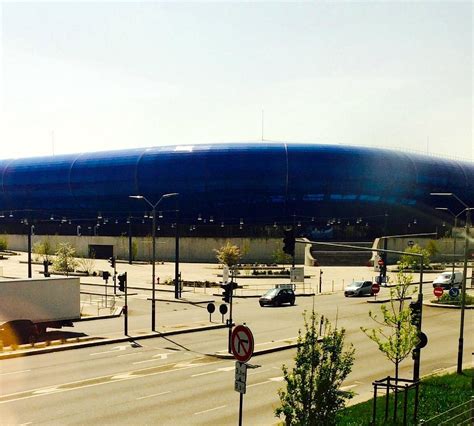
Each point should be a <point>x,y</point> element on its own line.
<point>114,350</point>
<point>102,380</point>
<point>155,358</point>
<point>14,372</point>
<point>47,390</point>
<point>218,370</point>
<point>155,394</point>
<point>210,409</point>
<point>271,380</point>
<point>277,341</point>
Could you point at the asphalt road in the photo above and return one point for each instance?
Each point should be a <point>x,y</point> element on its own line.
<point>176,380</point>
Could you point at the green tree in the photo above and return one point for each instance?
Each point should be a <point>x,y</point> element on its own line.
<point>65,260</point>
<point>395,335</point>
<point>3,243</point>
<point>312,395</point>
<point>432,248</point>
<point>279,256</point>
<point>44,248</point>
<point>413,262</point>
<point>229,254</point>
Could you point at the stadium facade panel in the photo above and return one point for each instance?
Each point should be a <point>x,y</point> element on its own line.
<point>259,183</point>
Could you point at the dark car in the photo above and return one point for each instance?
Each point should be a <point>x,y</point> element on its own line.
<point>18,332</point>
<point>278,296</point>
<point>359,288</point>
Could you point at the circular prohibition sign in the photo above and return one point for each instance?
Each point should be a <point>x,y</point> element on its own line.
<point>242,343</point>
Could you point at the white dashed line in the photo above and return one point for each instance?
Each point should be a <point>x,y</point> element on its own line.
<point>156,394</point>
<point>210,409</point>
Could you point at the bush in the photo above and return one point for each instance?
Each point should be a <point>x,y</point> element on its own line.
<point>413,262</point>
<point>446,299</point>
<point>65,261</point>
<point>87,265</point>
<point>44,248</point>
<point>3,243</point>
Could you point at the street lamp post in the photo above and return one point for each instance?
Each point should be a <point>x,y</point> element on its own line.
<point>467,209</point>
<point>453,234</point>
<point>153,234</point>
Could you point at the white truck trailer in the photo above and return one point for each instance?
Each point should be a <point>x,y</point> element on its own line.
<point>46,302</point>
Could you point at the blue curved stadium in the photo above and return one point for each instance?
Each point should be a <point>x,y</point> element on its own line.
<point>259,183</point>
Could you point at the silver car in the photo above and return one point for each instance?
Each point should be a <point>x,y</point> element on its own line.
<point>359,288</point>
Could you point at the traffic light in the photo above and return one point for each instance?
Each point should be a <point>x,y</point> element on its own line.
<point>226,292</point>
<point>289,242</point>
<point>415,311</point>
<point>112,261</point>
<point>122,279</point>
<point>105,275</point>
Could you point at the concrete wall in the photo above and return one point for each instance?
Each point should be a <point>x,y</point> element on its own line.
<point>445,248</point>
<point>191,249</point>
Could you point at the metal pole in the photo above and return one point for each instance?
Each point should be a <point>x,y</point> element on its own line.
<point>229,349</point>
<point>417,351</point>
<point>126,305</point>
<point>241,403</point>
<point>454,248</point>
<point>130,241</point>
<point>29,251</point>
<point>153,306</point>
<point>177,287</point>
<point>463,293</point>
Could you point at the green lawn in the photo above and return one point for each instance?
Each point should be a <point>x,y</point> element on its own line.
<point>437,395</point>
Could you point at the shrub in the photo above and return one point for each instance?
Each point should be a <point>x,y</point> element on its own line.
<point>3,243</point>
<point>65,261</point>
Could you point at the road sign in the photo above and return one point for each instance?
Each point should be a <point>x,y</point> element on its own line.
<point>410,243</point>
<point>375,288</point>
<point>380,262</point>
<point>240,377</point>
<point>438,291</point>
<point>454,292</point>
<point>297,275</point>
<point>242,343</point>
<point>423,341</point>
<point>211,307</point>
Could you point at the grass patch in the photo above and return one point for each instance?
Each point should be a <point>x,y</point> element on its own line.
<point>437,395</point>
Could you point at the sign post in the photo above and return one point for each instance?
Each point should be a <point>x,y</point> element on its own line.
<point>242,345</point>
<point>375,289</point>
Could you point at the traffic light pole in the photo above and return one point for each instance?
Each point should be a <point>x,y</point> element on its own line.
<point>230,311</point>
<point>417,350</point>
<point>115,277</point>
<point>125,318</point>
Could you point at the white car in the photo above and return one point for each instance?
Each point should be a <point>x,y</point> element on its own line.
<point>447,280</point>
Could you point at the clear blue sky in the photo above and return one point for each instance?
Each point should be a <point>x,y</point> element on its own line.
<point>87,76</point>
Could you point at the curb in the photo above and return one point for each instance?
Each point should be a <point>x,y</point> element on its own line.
<point>105,341</point>
<point>93,318</point>
<point>446,306</point>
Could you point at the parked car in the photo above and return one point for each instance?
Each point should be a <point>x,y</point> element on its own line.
<point>359,288</point>
<point>18,332</point>
<point>277,296</point>
<point>447,280</point>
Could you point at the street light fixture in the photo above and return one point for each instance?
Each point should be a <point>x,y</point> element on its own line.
<point>467,209</point>
<point>153,234</point>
